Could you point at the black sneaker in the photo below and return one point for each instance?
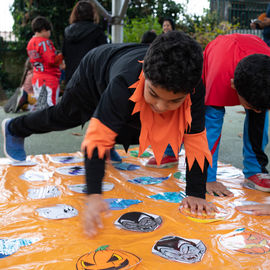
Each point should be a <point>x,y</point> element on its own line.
<point>21,100</point>
<point>11,104</point>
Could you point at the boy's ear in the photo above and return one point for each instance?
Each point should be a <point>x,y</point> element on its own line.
<point>232,84</point>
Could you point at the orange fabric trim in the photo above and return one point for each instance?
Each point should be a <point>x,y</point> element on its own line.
<point>159,130</point>
<point>98,136</point>
<point>196,147</point>
<point>58,59</point>
<point>262,16</point>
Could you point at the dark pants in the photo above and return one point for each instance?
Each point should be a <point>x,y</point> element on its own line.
<point>66,114</point>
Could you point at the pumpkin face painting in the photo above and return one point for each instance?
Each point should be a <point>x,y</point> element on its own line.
<point>107,259</point>
<point>247,242</point>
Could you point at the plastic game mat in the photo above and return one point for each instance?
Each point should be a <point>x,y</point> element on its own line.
<point>41,218</point>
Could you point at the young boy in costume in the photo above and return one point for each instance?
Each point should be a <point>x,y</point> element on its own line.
<point>45,60</point>
<point>128,101</point>
<point>237,71</point>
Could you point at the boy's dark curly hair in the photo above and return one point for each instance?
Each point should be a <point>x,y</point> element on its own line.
<point>252,80</point>
<point>174,62</point>
<point>41,23</point>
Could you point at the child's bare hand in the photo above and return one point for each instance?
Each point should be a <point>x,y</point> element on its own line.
<point>218,188</point>
<point>95,205</point>
<point>197,205</point>
<point>257,209</point>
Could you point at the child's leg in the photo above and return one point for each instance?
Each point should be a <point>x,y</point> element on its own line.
<point>114,156</point>
<point>213,122</point>
<point>63,116</point>
<point>255,140</point>
<point>52,87</point>
<point>167,160</point>
<point>36,88</point>
<point>169,151</point>
<point>53,90</point>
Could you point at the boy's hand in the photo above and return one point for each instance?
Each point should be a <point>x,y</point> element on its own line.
<point>95,205</point>
<point>197,205</point>
<point>218,188</point>
<point>257,209</point>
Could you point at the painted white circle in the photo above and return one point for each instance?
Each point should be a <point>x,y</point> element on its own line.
<point>71,170</point>
<point>44,192</point>
<point>107,186</point>
<point>59,211</point>
<point>82,188</point>
<point>66,159</point>
<point>24,163</point>
<point>33,176</point>
<point>224,173</point>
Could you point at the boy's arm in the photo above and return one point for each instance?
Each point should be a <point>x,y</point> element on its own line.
<point>107,121</point>
<point>198,157</point>
<point>95,205</point>
<point>257,209</point>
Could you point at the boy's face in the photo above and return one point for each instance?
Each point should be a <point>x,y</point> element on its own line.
<point>46,33</point>
<point>243,102</point>
<point>160,100</point>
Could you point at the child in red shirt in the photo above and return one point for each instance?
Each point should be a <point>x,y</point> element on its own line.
<point>45,60</point>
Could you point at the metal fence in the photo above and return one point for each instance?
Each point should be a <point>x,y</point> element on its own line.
<point>248,31</point>
<point>238,11</point>
<point>8,36</point>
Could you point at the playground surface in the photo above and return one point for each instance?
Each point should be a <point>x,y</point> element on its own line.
<point>69,141</point>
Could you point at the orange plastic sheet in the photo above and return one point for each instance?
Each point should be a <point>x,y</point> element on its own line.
<point>30,241</point>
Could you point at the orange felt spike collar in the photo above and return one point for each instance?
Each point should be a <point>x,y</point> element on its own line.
<point>159,130</point>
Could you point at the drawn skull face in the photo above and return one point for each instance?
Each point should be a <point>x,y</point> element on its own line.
<point>138,221</point>
<point>43,192</point>
<point>59,211</point>
<point>76,170</point>
<point>180,249</point>
<point>71,170</point>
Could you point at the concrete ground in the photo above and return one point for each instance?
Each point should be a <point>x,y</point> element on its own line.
<point>70,140</point>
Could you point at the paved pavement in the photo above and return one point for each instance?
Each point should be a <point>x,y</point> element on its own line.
<point>68,141</point>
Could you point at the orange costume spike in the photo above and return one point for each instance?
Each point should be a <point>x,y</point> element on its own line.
<point>159,130</point>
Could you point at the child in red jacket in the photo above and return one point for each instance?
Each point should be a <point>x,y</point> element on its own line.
<point>45,61</point>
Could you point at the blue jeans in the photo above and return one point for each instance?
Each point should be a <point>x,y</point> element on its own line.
<point>255,139</point>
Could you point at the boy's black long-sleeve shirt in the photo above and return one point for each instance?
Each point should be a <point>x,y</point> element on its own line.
<point>100,85</point>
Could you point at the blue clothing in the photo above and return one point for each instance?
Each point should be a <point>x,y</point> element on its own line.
<point>266,30</point>
<point>213,124</point>
<point>255,139</point>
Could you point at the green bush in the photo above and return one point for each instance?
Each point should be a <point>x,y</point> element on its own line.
<point>206,34</point>
<point>135,28</point>
<point>206,28</point>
